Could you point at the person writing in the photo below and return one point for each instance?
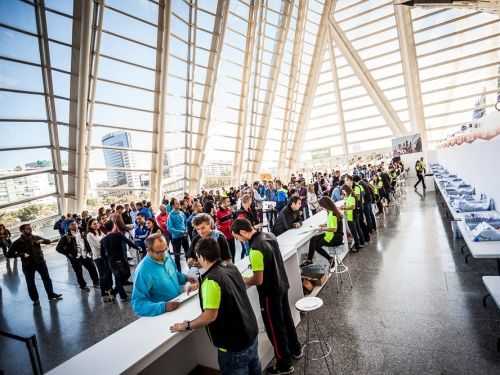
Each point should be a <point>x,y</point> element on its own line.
<point>333,233</point>
<point>270,277</point>
<point>289,217</point>
<point>157,281</point>
<point>227,314</point>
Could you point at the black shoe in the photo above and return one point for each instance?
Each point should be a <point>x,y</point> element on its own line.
<point>85,289</point>
<point>355,249</point>
<point>36,303</point>
<point>55,297</point>
<point>124,299</point>
<point>306,262</point>
<point>277,371</point>
<point>300,354</point>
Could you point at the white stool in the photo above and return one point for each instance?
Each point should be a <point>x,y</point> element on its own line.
<point>339,268</point>
<point>306,306</point>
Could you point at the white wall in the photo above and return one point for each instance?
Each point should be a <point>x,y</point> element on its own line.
<point>409,161</point>
<point>478,163</point>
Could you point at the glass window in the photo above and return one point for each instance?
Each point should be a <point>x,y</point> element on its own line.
<point>22,106</point>
<point>18,14</point>
<point>18,45</point>
<point>14,134</point>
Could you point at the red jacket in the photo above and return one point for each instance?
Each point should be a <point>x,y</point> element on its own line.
<point>161,220</point>
<point>224,220</point>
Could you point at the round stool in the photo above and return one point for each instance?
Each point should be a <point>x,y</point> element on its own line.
<point>306,306</point>
<point>339,268</point>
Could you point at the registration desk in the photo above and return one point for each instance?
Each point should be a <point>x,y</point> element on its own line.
<point>147,346</point>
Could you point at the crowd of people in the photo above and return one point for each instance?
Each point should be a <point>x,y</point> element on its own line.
<point>208,229</point>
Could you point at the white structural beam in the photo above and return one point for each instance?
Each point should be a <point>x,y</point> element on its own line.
<point>94,73</point>
<point>292,86</point>
<point>48,87</point>
<point>82,100</point>
<point>286,17</point>
<point>162,52</point>
<point>410,71</point>
<point>338,96</point>
<point>365,77</point>
<point>245,89</point>
<point>208,94</point>
<point>312,83</point>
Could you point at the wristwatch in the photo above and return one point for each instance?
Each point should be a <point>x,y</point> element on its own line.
<point>188,325</point>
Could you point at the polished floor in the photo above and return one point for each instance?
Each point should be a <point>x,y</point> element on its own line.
<point>415,307</point>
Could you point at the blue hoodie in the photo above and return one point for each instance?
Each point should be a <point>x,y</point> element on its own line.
<point>176,224</point>
<point>155,283</point>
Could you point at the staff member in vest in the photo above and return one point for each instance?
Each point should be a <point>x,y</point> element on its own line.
<point>420,170</point>
<point>227,313</point>
<point>349,206</point>
<point>289,217</point>
<point>333,236</point>
<point>204,225</point>
<point>269,276</point>
<point>157,281</point>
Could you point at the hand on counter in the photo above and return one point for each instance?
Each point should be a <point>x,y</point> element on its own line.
<point>171,306</point>
<point>190,286</point>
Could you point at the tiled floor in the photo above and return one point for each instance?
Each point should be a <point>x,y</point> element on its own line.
<point>415,307</point>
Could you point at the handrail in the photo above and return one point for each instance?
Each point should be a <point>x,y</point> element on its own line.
<point>32,346</point>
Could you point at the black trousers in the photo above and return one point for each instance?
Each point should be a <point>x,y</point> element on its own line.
<point>232,247</point>
<point>29,274</point>
<point>78,264</point>
<point>316,245</point>
<point>177,243</point>
<point>421,179</point>
<point>280,328</point>
<point>354,232</point>
<point>119,268</point>
<point>369,216</point>
<point>5,244</point>
<point>105,278</point>
<point>360,227</point>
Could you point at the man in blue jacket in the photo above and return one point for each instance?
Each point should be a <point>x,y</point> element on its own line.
<point>140,233</point>
<point>157,282</point>
<point>176,226</point>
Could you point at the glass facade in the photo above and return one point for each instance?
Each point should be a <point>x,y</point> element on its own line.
<point>142,97</point>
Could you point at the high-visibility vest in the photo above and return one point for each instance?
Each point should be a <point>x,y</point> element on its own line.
<point>331,222</point>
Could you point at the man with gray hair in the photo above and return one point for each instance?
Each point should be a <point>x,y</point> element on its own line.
<point>157,281</point>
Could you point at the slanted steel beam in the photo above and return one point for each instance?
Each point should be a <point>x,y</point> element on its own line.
<point>338,96</point>
<point>365,77</point>
<point>245,89</point>
<point>96,48</point>
<point>82,100</point>
<point>410,71</point>
<point>279,49</point>
<point>48,88</point>
<point>298,44</point>
<point>208,94</point>
<point>160,103</point>
<point>312,83</point>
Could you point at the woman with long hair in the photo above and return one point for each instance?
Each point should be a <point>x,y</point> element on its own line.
<point>333,232</point>
<point>152,226</point>
<point>5,240</point>
<point>312,199</point>
<point>94,237</point>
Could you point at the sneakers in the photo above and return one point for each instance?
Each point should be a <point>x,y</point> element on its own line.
<point>85,289</point>
<point>55,297</point>
<point>278,371</point>
<point>306,262</point>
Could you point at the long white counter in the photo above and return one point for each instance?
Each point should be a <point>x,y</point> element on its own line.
<point>147,345</point>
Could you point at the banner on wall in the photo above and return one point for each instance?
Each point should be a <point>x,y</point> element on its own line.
<point>408,144</point>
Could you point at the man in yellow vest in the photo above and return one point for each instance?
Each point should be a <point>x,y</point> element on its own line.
<point>420,170</point>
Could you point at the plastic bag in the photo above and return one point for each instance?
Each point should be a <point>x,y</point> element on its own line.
<point>485,232</point>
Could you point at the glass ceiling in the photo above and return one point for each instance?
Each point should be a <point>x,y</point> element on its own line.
<point>172,96</point>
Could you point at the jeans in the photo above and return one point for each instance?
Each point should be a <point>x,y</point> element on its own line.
<point>177,243</point>
<point>119,269</point>
<point>245,362</point>
<point>29,274</point>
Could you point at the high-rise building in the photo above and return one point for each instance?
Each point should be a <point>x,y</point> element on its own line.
<point>115,158</point>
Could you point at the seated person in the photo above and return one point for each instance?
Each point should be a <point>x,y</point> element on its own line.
<point>289,217</point>
<point>333,233</point>
<point>157,281</point>
<point>204,225</point>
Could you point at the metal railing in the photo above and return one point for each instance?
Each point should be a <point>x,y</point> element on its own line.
<point>32,347</point>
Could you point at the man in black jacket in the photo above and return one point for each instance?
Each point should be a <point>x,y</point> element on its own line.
<point>226,314</point>
<point>76,248</point>
<point>28,248</point>
<point>269,275</point>
<point>289,217</point>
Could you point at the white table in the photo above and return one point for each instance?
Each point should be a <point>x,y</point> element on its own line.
<point>479,250</point>
<point>492,284</point>
<point>147,345</point>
